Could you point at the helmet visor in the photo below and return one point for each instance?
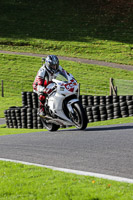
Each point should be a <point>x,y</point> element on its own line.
<point>53,67</point>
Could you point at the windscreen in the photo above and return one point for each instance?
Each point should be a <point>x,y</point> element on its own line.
<point>61,77</point>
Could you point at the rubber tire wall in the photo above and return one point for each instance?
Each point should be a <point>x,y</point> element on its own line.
<point>97,108</point>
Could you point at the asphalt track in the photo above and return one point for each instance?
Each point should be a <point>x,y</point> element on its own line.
<point>2,121</point>
<point>105,149</point>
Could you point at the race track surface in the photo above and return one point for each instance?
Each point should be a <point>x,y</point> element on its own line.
<point>2,121</point>
<point>106,149</point>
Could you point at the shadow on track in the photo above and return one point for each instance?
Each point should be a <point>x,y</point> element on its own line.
<point>106,128</point>
<point>109,128</point>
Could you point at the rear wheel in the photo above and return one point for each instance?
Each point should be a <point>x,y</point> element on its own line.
<point>50,126</point>
<point>79,116</point>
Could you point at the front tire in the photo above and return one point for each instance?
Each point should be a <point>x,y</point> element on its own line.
<point>79,117</point>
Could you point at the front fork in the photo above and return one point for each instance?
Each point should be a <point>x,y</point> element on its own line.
<point>70,108</point>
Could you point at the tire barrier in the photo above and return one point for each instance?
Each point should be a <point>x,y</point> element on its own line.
<point>30,99</point>
<point>98,108</point>
<point>23,117</point>
<point>101,108</point>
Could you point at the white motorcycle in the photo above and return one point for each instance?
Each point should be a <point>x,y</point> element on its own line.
<point>62,106</point>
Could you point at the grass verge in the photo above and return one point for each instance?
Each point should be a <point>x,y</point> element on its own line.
<point>100,30</point>
<point>23,69</point>
<point>9,131</point>
<point>103,50</point>
<point>19,181</point>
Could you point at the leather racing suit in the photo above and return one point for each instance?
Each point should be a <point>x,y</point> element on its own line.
<point>42,79</point>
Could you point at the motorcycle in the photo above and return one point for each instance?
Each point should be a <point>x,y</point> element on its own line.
<point>62,105</point>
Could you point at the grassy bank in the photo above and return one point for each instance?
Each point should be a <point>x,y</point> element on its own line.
<point>9,131</point>
<point>19,181</point>
<point>18,73</point>
<point>100,30</point>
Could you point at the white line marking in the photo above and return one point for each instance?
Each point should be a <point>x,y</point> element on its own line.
<point>114,178</point>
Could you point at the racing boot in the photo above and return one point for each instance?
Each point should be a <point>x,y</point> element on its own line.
<point>42,111</point>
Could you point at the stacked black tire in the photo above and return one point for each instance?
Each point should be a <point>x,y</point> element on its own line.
<point>98,108</point>
<point>25,116</point>
<point>30,99</point>
<point>17,117</point>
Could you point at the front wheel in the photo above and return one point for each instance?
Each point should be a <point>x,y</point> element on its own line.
<point>50,126</point>
<point>79,117</point>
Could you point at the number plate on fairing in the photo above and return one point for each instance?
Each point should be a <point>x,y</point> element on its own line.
<point>62,88</point>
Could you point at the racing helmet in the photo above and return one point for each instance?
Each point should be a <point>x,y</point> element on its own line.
<point>52,63</point>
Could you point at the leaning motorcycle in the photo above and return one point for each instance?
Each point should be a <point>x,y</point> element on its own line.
<point>62,106</point>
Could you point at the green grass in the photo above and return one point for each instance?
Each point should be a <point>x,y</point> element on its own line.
<point>6,102</point>
<point>111,122</point>
<point>19,181</point>
<point>42,183</point>
<point>100,30</point>
<point>97,30</point>
<point>125,86</point>
<point>9,131</point>
<point>18,73</point>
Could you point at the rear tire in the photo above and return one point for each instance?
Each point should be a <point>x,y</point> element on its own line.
<point>50,126</point>
<point>80,117</point>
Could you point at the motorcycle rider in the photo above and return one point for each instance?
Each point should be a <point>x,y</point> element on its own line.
<point>49,70</point>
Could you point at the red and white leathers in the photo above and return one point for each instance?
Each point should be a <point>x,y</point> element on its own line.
<point>43,78</point>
